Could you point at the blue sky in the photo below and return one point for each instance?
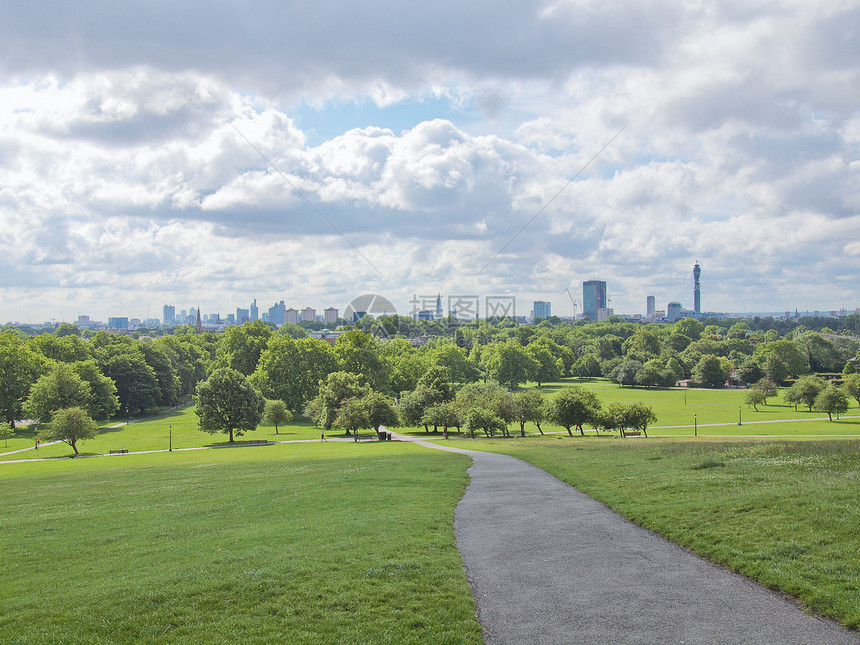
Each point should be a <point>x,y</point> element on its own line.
<point>181,153</point>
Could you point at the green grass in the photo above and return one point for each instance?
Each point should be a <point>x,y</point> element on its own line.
<point>154,434</point>
<point>784,513</point>
<point>679,410</point>
<point>296,543</point>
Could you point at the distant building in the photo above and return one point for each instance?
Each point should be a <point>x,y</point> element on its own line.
<point>358,315</point>
<point>439,306</point>
<point>83,321</point>
<point>650,306</point>
<point>425,314</point>
<point>118,323</point>
<point>697,295</point>
<point>276,313</point>
<point>291,316</point>
<point>593,298</point>
<point>309,314</point>
<point>330,315</point>
<point>542,309</point>
<point>603,314</point>
<point>253,312</point>
<point>168,315</point>
<point>183,317</point>
<point>673,311</point>
<point>242,316</point>
<point>231,319</point>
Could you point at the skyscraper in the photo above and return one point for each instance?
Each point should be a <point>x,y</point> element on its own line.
<point>593,298</point>
<point>169,315</point>
<point>697,296</point>
<point>542,309</point>
<point>439,307</point>
<point>253,313</point>
<point>650,306</point>
<point>331,315</point>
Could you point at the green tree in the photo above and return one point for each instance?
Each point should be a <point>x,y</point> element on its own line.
<point>291,370</point>
<point>574,407</point>
<point>805,390</point>
<point>755,398</point>
<point>787,351</point>
<point>337,388</point>
<point>60,388</point>
<point>228,403</point>
<point>548,368</point>
<point>6,431</point>
<point>530,407</point>
<point>352,417</point>
<point>625,372</point>
<point>832,400</point>
<point>710,371</point>
<point>19,368</point>
<point>767,387</point>
<point>689,327</point>
<point>240,346</point>
<point>485,420</point>
<point>586,366</point>
<point>442,414</point>
<point>136,382</point>
<point>70,425</point>
<point>455,360</point>
<point>851,383</point>
<point>103,401</point>
<point>165,374</point>
<point>487,397</point>
<point>509,364</point>
<point>380,410</point>
<point>359,353</point>
<point>276,413</point>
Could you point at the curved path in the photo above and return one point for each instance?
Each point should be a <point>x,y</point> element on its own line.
<point>548,564</point>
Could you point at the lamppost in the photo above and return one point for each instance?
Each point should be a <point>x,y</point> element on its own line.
<point>739,415</point>
<point>695,425</point>
<point>171,439</point>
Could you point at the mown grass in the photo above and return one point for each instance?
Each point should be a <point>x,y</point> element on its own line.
<point>154,434</point>
<point>784,513</point>
<point>296,543</point>
<point>683,412</point>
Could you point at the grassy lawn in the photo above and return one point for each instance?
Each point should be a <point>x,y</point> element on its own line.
<point>785,513</point>
<point>300,543</point>
<point>679,410</point>
<point>154,434</point>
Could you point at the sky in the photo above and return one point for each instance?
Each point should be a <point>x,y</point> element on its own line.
<point>209,153</point>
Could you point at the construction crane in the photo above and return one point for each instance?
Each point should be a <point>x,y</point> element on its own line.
<point>573,302</point>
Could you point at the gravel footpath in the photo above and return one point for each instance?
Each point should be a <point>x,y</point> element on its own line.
<point>548,564</point>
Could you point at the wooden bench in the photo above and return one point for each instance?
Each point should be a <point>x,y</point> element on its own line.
<point>121,451</point>
<point>256,442</point>
<point>631,433</point>
<point>365,437</point>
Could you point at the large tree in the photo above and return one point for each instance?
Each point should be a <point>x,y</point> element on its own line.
<point>136,382</point>
<point>291,370</point>
<point>337,388</point>
<point>276,413</point>
<point>530,407</point>
<point>805,390</point>
<point>851,383</point>
<point>509,364</point>
<point>70,425</point>
<point>103,401</point>
<point>240,346</point>
<point>832,400</point>
<point>228,403</point>
<point>573,408</point>
<point>60,388</point>
<point>19,369</point>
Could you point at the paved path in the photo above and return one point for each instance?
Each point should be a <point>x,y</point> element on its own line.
<point>548,564</point>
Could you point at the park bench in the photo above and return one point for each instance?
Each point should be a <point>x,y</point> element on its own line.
<point>365,437</point>
<point>121,451</point>
<point>631,433</point>
<point>256,442</point>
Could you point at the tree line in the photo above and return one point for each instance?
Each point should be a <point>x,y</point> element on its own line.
<point>109,375</point>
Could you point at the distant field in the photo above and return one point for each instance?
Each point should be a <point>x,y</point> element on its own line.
<point>296,543</point>
<point>679,411</point>
<point>785,513</point>
<point>154,434</point>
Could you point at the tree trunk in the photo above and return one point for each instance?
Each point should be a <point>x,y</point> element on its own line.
<point>231,435</point>
<point>645,432</point>
<point>581,431</point>
<point>74,446</point>
<point>276,428</point>
<point>569,432</point>
<point>538,427</point>
<point>522,428</point>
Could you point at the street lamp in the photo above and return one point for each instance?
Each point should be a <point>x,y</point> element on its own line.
<point>171,439</point>
<point>739,415</point>
<point>695,425</point>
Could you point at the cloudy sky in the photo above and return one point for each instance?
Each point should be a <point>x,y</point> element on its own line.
<point>213,152</point>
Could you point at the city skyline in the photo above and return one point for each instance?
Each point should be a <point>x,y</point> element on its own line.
<point>533,147</point>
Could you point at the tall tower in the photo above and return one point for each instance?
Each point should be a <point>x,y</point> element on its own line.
<point>697,296</point>
<point>593,298</point>
<point>439,307</point>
